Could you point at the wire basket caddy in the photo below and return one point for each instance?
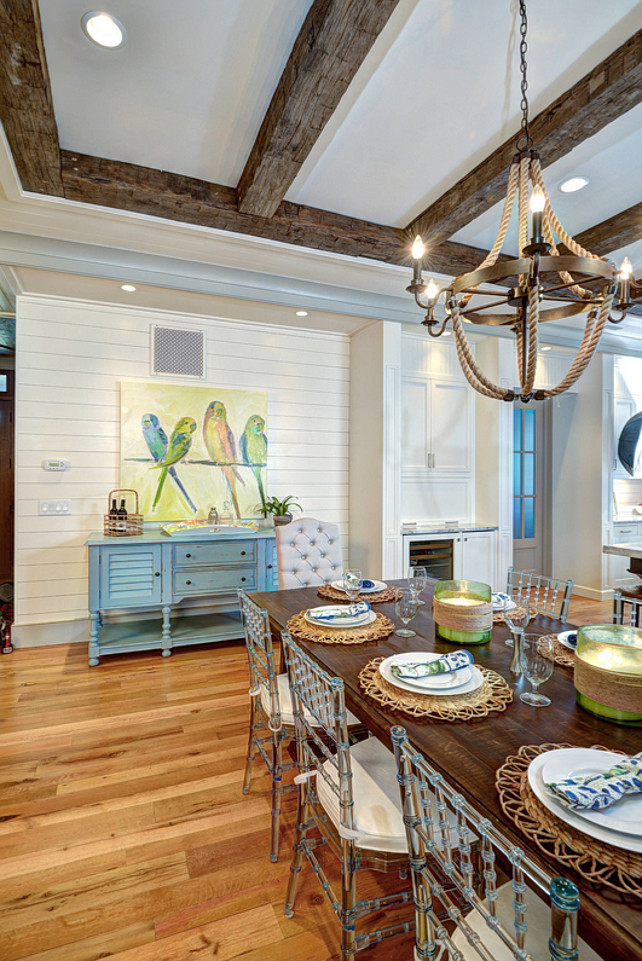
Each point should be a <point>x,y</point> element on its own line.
<point>119,526</point>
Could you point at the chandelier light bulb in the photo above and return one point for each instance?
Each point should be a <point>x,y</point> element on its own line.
<point>626,269</point>
<point>431,289</point>
<point>538,200</point>
<point>417,248</point>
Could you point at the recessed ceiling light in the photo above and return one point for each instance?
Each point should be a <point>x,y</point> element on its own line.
<point>302,313</point>
<point>128,287</point>
<point>545,348</point>
<point>571,184</point>
<point>103,29</point>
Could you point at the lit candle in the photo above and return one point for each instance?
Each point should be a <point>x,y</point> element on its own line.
<point>624,281</point>
<point>537,204</point>
<point>417,257</point>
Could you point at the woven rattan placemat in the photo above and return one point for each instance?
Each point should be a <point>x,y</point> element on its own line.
<point>382,626</point>
<point>493,695</point>
<point>499,616</point>
<point>594,860</point>
<point>561,655</point>
<point>329,593</point>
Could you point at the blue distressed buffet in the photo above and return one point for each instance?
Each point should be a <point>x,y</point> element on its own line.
<point>149,576</point>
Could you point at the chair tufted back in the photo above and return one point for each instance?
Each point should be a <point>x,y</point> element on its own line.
<point>308,552</point>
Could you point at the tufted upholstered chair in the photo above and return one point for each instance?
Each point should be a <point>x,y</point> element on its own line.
<point>308,553</point>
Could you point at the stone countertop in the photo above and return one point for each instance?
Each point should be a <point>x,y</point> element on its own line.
<point>440,529</point>
<point>632,549</point>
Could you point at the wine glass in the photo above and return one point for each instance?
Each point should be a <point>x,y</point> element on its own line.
<point>352,586</point>
<point>537,664</point>
<point>406,608</point>
<point>417,580</point>
<point>517,619</point>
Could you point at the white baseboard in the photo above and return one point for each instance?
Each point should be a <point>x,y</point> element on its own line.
<point>52,632</point>
<point>592,593</point>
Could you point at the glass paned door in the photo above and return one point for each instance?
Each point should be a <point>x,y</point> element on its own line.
<point>527,487</point>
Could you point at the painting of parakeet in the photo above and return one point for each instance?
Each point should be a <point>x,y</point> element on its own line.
<point>253,445</point>
<point>179,446</point>
<point>221,446</point>
<point>157,443</point>
<point>215,456</point>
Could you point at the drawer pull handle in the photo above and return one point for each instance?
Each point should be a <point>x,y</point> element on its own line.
<point>156,573</point>
<point>242,553</point>
<point>188,582</point>
<point>269,567</point>
<point>188,555</point>
<point>242,579</point>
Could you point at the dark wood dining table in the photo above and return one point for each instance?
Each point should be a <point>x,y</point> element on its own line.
<point>468,753</point>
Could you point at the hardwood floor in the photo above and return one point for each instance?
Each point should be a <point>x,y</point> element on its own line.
<point>123,830</point>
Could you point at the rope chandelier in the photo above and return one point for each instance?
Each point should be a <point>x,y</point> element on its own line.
<point>543,284</point>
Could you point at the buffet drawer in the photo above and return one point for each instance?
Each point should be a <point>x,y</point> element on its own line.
<point>196,555</point>
<point>213,581</point>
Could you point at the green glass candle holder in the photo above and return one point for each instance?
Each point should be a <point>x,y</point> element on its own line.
<point>608,672</point>
<point>463,612</point>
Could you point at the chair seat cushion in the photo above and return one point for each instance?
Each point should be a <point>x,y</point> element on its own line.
<point>285,700</point>
<point>377,803</point>
<point>538,919</point>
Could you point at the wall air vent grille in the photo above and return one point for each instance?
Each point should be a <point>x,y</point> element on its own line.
<point>178,351</point>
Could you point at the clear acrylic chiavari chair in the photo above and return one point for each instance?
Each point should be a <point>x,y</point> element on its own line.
<point>348,801</point>
<point>544,595</point>
<point>491,909</point>
<point>271,718</point>
<point>627,610</point>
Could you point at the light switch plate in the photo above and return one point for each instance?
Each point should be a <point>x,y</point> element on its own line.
<point>55,507</point>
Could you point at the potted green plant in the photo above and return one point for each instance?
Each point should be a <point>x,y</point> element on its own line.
<point>280,509</point>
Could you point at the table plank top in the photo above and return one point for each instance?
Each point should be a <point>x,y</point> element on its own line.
<point>468,753</point>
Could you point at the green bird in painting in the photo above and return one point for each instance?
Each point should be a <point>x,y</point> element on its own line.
<point>179,445</point>
<point>253,444</point>
<point>221,446</point>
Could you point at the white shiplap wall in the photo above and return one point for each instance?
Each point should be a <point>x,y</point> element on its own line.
<point>71,357</point>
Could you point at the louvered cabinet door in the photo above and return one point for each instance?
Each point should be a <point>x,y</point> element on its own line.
<point>130,576</point>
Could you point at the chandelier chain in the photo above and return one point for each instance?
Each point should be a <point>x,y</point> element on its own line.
<point>525,141</point>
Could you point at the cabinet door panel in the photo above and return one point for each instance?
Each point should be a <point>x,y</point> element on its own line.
<point>415,422</point>
<point>478,556</point>
<point>450,417</point>
<point>130,576</point>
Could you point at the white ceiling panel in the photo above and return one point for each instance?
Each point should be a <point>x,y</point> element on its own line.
<point>187,91</point>
<point>610,160</point>
<point>446,95</point>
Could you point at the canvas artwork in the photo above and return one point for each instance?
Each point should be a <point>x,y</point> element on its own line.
<point>186,449</point>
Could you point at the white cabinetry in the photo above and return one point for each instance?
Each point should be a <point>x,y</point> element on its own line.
<point>437,433</point>
<point>478,557</point>
<point>474,553</point>
<point>617,567</point>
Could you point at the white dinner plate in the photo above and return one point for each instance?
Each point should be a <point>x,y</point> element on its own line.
<point>378,586</point>
<point>344,622</point>
<point>475,676</point>
<point>563,638</point>
<point>536,781</point>
<point>625,815</point>
<point>502,602</point>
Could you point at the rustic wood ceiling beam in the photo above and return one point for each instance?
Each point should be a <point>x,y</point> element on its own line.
<point>26,103</point>
<point>331,46</point>
<point>110,183</point>
<point>614,233</point>
<point>599,98</point>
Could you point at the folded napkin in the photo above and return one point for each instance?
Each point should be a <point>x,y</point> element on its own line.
<point>599,791</point>
<point>367,583</point>
<point>339,613</point>
<point>441,665</point>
